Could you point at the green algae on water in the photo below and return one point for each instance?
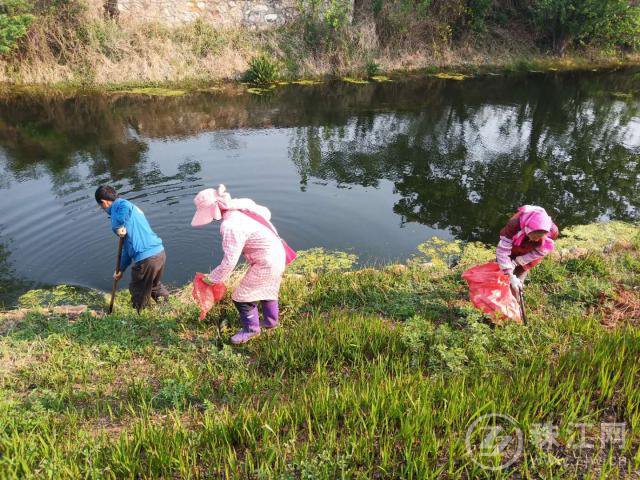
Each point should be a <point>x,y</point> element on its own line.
<point>381,79</point>
<point>356,81</point>
<point>306,82</point>
<point>155,91</point>
<point>61,295</point>
<point>451,76</point>
<point>260,90</point>
<point>318,260</point>
<point>622,95</point>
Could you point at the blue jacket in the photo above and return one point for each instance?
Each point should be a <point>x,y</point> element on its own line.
<point>140,242</point>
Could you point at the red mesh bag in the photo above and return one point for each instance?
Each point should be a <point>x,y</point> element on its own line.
<point>490,291</point>
<point>206,295</point>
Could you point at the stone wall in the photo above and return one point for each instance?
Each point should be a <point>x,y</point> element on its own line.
<point>252,14</point>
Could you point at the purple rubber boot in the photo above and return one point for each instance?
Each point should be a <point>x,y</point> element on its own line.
<point>270,314</point>
<point>250,322</point>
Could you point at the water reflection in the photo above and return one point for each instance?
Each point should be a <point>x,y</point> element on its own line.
<point>465,167</point>
<point>453,156</point>
<point>10,286</point>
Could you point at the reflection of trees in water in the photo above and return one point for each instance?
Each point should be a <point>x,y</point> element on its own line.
<point>461,155</point>
<point>54,136</point>
<point>50,135</point>
<point>226,141</point>
<point>78,143</point>
<point>467,164</point>
<point>10,286</point>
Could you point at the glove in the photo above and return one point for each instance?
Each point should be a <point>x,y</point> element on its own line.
<point>121,232</point>
<point>516,284</point>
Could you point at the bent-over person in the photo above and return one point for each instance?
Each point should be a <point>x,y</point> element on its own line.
<point>141,247</point>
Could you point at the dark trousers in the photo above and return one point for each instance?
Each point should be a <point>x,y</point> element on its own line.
<point>146,281</point>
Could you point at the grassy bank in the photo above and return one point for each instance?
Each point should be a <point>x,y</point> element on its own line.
<point>234,84</point>
<point>63,43</point>
<point>375,373</point>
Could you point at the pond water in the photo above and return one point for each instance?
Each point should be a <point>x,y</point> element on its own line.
<point>372,169</point>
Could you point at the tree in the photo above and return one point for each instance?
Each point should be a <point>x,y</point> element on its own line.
<point>608,22</point>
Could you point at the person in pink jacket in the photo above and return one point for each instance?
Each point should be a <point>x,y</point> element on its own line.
<point>246,229</point>
<point>524,241</point>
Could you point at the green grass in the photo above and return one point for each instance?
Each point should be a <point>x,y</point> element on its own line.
<point>375,373</point>
<point>263,70</point>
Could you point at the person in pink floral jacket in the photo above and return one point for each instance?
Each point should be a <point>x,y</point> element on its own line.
<point>246,229</point>
<point>524,241</point>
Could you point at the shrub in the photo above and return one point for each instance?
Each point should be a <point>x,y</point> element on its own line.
<point>477,11</point>
<point>392,24</point>
<point>587,291</point>
<point>203,38</point>
<point>607,22</point>
<point>59,30</point>
<point>324,24</point>
<point>443,348</point>
<point>262,71</point>
<point>174,393</point>
<point>630,263</point>
<point>105,36</point>
<point>15,20</point>
<point>591,265</point>
<point>372,69</point>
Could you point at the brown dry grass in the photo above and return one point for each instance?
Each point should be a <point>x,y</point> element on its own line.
<point>105,52</point>
<point>623,309</point>
<point>102,52</point>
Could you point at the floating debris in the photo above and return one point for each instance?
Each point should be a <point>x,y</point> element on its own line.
<point>381,79</point>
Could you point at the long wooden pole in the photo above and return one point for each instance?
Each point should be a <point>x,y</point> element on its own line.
<point>522,310</point>
<point>115,282</point>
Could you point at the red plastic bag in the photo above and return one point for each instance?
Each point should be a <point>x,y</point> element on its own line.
<point>289,253</point>
<point>206,295</point>
<point>490,291</point>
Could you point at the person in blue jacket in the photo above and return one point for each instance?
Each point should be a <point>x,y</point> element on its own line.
<point>141,246</point>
